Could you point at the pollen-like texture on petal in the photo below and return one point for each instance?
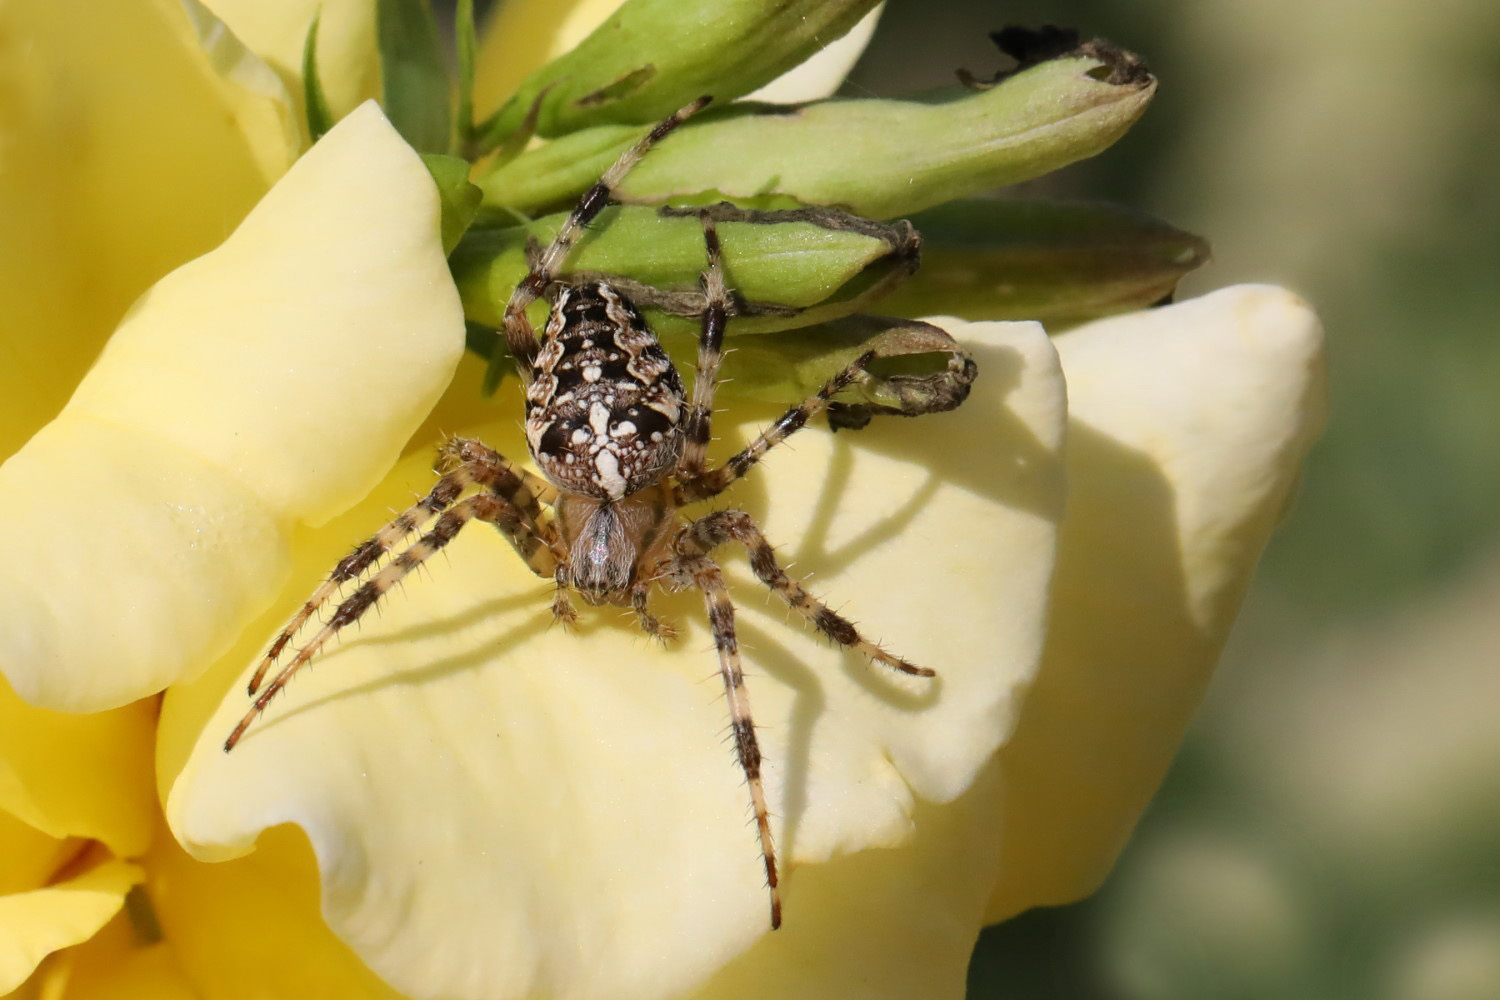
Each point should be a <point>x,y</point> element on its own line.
<point>1188,427</point>
<point>124,150</point>
<point>35,924</point>
<point>271,381</point>
<point>572,794</point>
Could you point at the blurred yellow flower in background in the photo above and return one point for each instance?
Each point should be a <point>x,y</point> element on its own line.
<point>495,809</point>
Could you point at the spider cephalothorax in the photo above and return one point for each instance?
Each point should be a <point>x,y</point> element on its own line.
<point>621,448</point>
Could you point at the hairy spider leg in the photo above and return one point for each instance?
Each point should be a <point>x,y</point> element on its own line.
<point>710,581</point>
<point>716,481</point>
<point>473,464</point>
<point>519,336</point>
<point>489,507</point>
<point>659,629</point>
<point>722,526</point>
<point>697,429</point>
<point>535,539</point>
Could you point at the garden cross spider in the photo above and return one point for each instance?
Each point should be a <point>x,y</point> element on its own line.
<point>622,448</point>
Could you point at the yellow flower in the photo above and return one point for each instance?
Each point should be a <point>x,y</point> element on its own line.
<point>499,809</point>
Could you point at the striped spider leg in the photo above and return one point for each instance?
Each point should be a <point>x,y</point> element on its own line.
<point>692,566</point>
<point>621,448</point>
<point>509,501</point>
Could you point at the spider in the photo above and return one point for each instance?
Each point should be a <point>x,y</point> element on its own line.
<point>622,448</point>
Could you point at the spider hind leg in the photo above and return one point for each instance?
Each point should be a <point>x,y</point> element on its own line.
<point>708,580</point>
<point>722,526</point>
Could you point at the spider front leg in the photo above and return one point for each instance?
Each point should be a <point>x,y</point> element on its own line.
<point>716,481</point>
<point>706,577</point>
<point>712,530</point>
<point>697,428</point>
<point>465,463</point>
<point>519,336</point>
<point>491,507</point>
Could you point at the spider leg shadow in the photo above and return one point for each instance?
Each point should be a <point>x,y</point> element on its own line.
<point>765,654</point>
<point>495,646</point>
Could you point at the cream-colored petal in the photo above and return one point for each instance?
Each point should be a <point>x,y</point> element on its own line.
<point>821,75</point>
<point>70,776</point>
<point>1188,426</point>
<point>35,924</point>
<point>124,150</point>
<point>894,924</point>
<point>272,380</point>
<point>571,795</point>
<point>348,64</point>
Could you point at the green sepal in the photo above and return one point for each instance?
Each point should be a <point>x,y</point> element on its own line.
<point>785,273</point>
<point>877,158</point>
<point>414,78</point>
<point>459,198</point>
<point>314,102</point>
<point>1061,263</point>
<point>651,57</point>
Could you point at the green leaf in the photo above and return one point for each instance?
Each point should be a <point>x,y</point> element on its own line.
<point>459,198</point>
<point>787,270</point>
<point>319,118</point>
<point>1061,263</point>
<point>414,82</point>
<point>467,45</point>
<point>651,57</point>
<point>878,158</point>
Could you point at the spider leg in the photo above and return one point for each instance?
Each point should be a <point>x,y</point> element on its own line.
<point>662,631</point>
<point>713,530</point>
<point>535,540</point>
<point>484,506</point>
<point>563,611</point>
<point>716,481</point>
<point>519,336</point>
<point>710,581</point>
<point>697,426</point>
<point>465,463</point>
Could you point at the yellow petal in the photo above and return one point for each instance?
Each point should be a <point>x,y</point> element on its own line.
<point>523,36</point>
<point>348,65</point>
<point>272,380</point>
<point>28,857</point>
<point>1188,426</point>
<point>127,150</point>
<point>570,794</point>
<point>69,776</point>
<point>114,964</point>
<point>35,924</point>
<point>251,928</point>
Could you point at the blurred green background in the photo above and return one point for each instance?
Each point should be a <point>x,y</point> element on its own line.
<point>1331,827</point>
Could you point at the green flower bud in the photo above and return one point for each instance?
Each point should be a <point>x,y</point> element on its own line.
<point>1057,262</point>
<point>877,158</point>
<point>652,56</point>
<point>786,269</point>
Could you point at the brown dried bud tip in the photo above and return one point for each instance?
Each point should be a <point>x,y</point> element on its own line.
<point>1031,46</point>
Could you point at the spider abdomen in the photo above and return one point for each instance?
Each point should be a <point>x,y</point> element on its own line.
<point>603,413</point>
